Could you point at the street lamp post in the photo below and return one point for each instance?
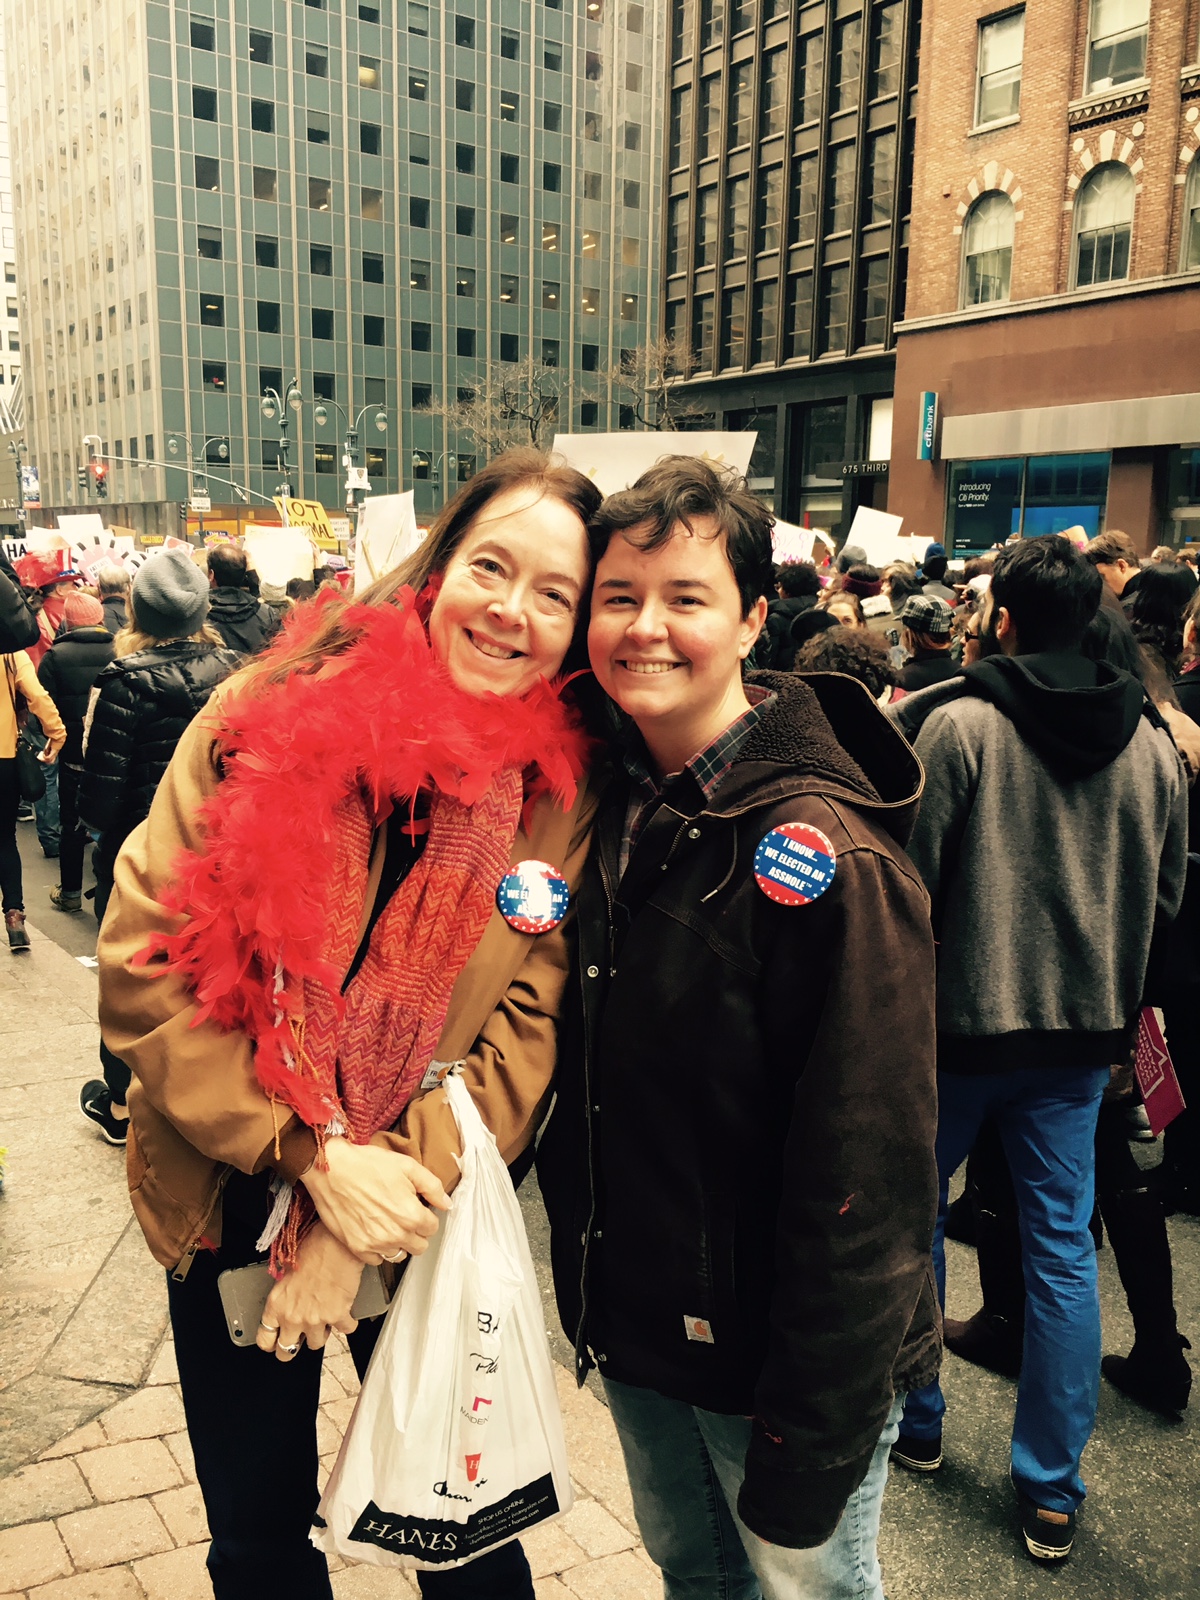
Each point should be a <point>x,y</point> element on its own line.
<point>273,406</point>
<point>434,462</point>
<point>18,448</point>
<point>198,482</point>
<point>350,445</point>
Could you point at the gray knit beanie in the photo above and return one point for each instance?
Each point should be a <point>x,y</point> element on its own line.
<point>170,596</point>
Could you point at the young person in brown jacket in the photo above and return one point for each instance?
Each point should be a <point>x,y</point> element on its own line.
<point>285,988</point>
<point>739,1167</point>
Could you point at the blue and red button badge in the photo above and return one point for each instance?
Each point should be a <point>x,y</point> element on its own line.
<point>533,897</point>
<point>794,864</point>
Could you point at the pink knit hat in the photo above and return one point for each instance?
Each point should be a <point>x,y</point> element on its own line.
<point>83,611</point>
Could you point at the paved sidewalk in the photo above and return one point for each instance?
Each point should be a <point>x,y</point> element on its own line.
<point>112,1512</point>
<point>97,1498</point>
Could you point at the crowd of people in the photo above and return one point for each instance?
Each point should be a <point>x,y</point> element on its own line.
<point>747,777</point>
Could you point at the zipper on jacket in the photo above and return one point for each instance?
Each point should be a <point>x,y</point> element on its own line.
<point>580,1371</point>
<point>184,1265</point>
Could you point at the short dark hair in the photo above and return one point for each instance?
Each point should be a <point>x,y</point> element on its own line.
<point>227,563</point>
<point>1050,591</point>
<point>300,589</point>
<point>797,579</point>
<point>681,488</point>
<point>854,651</point>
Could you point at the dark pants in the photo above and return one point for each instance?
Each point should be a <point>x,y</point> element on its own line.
<point>72,835</point>
<point>116,1073</point>
<point>45,810</point>
<point>10,857</point>
<point>1181,1141</point>
<point>252,1424</point>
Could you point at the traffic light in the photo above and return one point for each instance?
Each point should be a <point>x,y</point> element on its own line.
<point>100,479</point>
<point>82,479</point>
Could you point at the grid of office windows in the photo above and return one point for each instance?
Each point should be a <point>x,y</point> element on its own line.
<point>406,182</point>
<point>787,197</point>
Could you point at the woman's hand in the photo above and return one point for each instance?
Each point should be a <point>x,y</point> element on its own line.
<point>315,1297</point>
<point>376,1201</point>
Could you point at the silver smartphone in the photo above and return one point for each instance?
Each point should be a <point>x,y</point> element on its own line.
<point>244,1292</point>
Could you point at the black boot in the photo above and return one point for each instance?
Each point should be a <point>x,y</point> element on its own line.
<point>1155,1372</point>
<point>986,1341</point>
<point>1156,1379</point>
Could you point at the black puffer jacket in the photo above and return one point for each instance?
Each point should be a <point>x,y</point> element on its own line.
<point>67,672</point>
<point>115,614</point>
<point>18,625</point>
<point>146,701</point>
<point>246,623</point>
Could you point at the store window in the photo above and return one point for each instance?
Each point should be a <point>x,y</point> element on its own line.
<point>987,250</point>
<point>1117,43</point>
<point>823,453</point>
<point>1001,53</point>
<point>762,420</point>
<point>1103,224</point>
<point>991,500</point>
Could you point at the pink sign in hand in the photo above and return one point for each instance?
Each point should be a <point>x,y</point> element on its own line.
<point>1156,1078</point>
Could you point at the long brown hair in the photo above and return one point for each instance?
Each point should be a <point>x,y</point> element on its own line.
<point>512,470</point>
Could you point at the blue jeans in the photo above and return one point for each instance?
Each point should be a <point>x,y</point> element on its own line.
<point>685,1469</point>
<point>1047,1121</point>
<point>45,810</point>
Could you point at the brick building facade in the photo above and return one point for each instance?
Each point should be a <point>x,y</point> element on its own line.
<point>1054,272</point>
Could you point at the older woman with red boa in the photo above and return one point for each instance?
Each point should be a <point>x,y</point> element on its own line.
<point>304,931</point>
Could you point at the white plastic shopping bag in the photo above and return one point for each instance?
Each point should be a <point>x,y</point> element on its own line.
<point>456,1444</point>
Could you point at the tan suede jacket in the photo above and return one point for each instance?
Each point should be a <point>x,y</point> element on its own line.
<point>196,1109</point>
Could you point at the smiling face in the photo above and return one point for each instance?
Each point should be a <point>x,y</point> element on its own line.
<point>511,594</point>
<point>667,639</point>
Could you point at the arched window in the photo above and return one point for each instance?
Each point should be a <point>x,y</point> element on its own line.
<point>1103,223</point>
<point>1191,219</point>
<point>987,249</point>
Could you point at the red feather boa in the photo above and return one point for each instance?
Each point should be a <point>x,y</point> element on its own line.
<point>384,717</point>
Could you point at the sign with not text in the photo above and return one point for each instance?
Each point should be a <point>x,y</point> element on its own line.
<point>309,514</point>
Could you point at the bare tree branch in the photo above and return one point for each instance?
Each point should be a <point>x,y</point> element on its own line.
<point>515,404</point>
<point>648,380</point>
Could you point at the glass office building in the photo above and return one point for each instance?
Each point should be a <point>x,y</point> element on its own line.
<point>790,178</point>
<point>376,200</point>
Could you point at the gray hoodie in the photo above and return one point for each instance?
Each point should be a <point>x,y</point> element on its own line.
<point>1052,837</point>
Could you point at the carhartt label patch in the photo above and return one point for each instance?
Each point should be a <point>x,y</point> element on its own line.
<point>699,1330</point>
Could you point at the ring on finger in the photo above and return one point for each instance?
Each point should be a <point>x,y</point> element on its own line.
<point>399,1256</point>
<point>289,1349</point>
<point>267,1327</point>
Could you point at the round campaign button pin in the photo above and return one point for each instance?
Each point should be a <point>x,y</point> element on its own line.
<point>533,897</point>
<point>794,864</point>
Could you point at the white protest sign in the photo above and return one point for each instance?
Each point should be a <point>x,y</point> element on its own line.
<point>279,554</point>
<point>615,460</point>
<point>790,543</point>
<point>387,534</point>
<point>81,525</point>
<point>878,534</point>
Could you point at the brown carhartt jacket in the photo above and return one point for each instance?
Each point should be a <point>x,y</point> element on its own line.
<point>196,1109</point>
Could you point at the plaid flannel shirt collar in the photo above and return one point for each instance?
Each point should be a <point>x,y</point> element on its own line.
<point>703,772</point>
